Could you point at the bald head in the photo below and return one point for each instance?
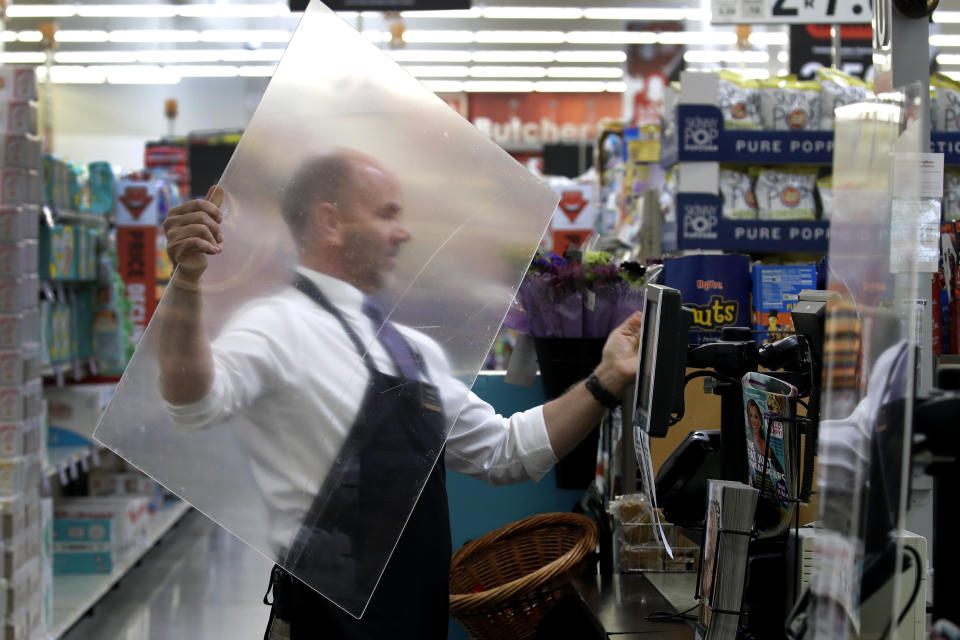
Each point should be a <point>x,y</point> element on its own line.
<point>344,212</point>
<point>332,178</point>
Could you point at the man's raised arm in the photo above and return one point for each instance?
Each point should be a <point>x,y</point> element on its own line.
<point>186,360</point>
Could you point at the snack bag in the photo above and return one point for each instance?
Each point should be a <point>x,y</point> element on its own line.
<point>739,101</point>
<point>951,195</point>
<point>668,195</point>
<point>836,90</point>
<point>948,102</point>
<point>786,193</point>
<point>739,201</point>
<point>788,104</point>
<point>825,189</point>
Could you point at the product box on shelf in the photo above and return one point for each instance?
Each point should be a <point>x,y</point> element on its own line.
<point>16,260</point>
<point>19,223</point>
<point>13,474</point>
<point>19,116</point>
<point>18,82</point>
<point>77,408</point>
<point>91,535</point>
<point>699,131</point>
<point>19,329</point>
<point>19,403</point>
<point>24,584</point>
<point>715,287</point>
<point>20,186</point>
<point>27,622</point>
<point>776,291</point>
<point>57,246</point>
<point>19,366</point>
<point>13,519</point>
<point>104,483</point>
<point>20,150</point>
<point>20,551</point>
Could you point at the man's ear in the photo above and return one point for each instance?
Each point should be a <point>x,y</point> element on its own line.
<point>326,224</point>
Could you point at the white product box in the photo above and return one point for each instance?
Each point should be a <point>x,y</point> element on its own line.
<point>24,585</point>
<point>20,551</point>
<point>78,407</point>
<point>18,82</point>
<point>20,222</point>
<point>21,150</point>
<point>23,402</point>
<point>17,260</point>
<point>13,517</point>
<point>91,535</point>
<point>18,330</point>
<point>13,473</point>
<point>20,186</point>
<point>19,116</point>
<point>27,622</point>
<point>17,367</point>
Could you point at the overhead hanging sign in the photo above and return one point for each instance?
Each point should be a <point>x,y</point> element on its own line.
<point>790,11</point>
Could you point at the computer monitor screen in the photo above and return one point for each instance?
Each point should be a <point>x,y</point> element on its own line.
<point>663,359</point>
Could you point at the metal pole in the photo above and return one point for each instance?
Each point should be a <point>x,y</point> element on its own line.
<point>835,53</point>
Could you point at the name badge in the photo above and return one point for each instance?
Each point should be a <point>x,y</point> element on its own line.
<point>430,397</point>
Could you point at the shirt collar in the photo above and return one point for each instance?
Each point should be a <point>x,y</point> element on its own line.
<point>342,294</point>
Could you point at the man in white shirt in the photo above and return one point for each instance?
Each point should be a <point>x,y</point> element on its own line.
<point>342,405</point>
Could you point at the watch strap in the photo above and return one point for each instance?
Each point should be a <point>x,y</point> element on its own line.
<point>601,393</point>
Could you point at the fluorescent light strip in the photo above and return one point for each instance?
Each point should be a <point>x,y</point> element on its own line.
<point>507,72</point>
<point>203,71</point>
<point>585,72</point>
<point>513,56</point>
<point>437,36</point>
<point>948,58</point>
<point>953,75</point>
<point>29,36</point>
<point>125,10</point>
<point>520,37</point>
<point>245,35</point>
<point>9,36</point>
<point>752,72</point>
<point>768,39</point>
<point>438,71</point>
<point>727,56</point>
<point>153,35</point>
<point>590,56</point>
<point>450,13</point>
<point>275,10</point>
<point>611,37</point>
<point>533,13</point>
<point>698,37</point>
<point>946,17</point>
<point>22,57</point>
<point>162,56</point>
<point>425,55</point>
<point>944,40</point>
<point>257,71</point>
<point>646,13</point>
<point>81,36</point>
<point>444,86</point>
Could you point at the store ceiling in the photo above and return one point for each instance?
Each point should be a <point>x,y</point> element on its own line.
<point>513,45</point>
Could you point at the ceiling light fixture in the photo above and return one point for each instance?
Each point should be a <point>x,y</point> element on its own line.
<point>533,13</point>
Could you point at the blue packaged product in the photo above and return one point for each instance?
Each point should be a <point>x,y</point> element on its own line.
<point>102,187</point>
<point>776,290</point>
<point>715,287</point>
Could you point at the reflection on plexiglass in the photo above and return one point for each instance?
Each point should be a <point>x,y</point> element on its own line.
<point>364,242</point>
<point>869,375</point>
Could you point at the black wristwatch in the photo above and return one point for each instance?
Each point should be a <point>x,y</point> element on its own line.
<point>601,393</point>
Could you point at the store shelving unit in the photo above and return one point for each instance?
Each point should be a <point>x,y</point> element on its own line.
<point>75,595</point>
<point>696,140</point>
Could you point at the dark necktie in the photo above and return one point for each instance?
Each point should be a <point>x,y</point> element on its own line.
<point>392,341</point>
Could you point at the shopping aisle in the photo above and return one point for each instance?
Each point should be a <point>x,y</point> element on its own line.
<point>199,583</point>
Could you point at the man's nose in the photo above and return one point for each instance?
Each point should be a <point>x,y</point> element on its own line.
<point>402,234</point>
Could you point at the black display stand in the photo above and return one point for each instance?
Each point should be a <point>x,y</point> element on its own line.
<point>563,363</point>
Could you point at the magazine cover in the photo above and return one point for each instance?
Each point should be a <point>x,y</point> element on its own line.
<point>709,552</point>
<point>770,405</point>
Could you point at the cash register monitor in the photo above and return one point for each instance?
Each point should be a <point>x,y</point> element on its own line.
<point>663,359</point>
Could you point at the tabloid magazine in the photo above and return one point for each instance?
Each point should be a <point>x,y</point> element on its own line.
<point>773,449</point>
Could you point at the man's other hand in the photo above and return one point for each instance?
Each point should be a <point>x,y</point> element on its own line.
<point>618,367</point>
<point>193,232</point>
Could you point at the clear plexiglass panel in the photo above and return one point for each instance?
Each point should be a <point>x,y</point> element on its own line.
<point>865,576</point>
<point>357,178</point>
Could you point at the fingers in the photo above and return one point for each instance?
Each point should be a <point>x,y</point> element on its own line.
<point>191,246</point>
<point>633,324</point>
<point>194,231</point>
<point>195,206</point>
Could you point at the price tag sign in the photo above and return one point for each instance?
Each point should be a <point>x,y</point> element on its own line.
<point>790,11</point>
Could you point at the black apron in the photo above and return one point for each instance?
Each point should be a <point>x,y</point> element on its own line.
<point>397,433</point>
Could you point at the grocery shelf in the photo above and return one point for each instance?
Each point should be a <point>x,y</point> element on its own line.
<point>74,595</point>
<point>66,457</point>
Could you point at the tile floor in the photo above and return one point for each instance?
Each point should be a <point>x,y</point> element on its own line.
<point>199,583</point>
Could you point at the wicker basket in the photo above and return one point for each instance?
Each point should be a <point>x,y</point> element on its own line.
<point>503,583</point>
